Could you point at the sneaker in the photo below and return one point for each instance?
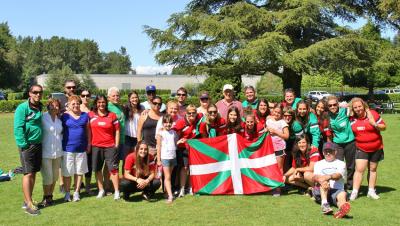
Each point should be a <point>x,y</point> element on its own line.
<point>100,194</point>
<point>145,196</point>
<point>44,203</point>
<point>76,197</point>
<point>372,195</point>
<point>67,197</point>
<point>326,208</point>
<point>343,210</point>
<point>116,195</point>
<point>32,210</point>
<point>24,205</point>
<point>181,193</point>
<point>353,196</point>
<point>276,193</point>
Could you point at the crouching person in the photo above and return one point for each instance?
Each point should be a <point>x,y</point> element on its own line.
<point>139,173</point>
<point>329,174</point>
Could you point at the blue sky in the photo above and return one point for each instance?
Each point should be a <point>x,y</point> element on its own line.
<point>111,24</point>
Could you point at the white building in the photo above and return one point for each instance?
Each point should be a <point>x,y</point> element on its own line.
<point>127,81</point>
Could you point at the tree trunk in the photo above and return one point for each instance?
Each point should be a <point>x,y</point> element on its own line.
<point>291,79</point>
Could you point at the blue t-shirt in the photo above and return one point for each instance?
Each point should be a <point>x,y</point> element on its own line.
<point>74,134</point>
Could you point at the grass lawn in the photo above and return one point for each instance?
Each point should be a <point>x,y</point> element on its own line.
<point>292,209</point>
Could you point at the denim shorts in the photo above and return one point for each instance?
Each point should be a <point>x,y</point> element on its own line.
<point>168,162</point>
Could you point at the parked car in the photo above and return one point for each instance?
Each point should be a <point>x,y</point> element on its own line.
<point>317,95</point>
<point>387,91</point>
<point>3,96</point>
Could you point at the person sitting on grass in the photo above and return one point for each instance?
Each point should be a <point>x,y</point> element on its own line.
<point>301,172</point>
<point>139,173</point>
<point>330,173</point>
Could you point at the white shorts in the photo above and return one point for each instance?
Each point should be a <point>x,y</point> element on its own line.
<point>74,163</point>
<point>50,169</point>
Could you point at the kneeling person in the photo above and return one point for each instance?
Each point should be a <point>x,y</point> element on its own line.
<point>139,173</point>
<point>329,173</point>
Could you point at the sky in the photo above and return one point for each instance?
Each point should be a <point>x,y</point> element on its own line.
<point>111,23</point>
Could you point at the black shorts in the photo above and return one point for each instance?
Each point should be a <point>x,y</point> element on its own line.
<point>182,157</point>
<point>31,158</point>
<point>109,155</point>
<point>280,153</point>
<point>370,156</point>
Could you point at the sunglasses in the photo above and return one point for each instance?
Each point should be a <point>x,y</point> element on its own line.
<point>203,99</point>
<point>330,152</point>
<point>157,104</point>
<point>212,112</point>
<point>150,92</point>
<point>70,87</point>
<point>181,94</point>
<point>332,105</point>
<point>37,92</point>
<point>191,113</point>
<point>287,115</point>
<point>85,96</point>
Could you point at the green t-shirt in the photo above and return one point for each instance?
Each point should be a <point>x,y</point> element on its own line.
<point>253,105</point>
<point>340,125</point>
<point>121,119</point>
<point>310,128</point>
<point>296,100</point>
<point>27,125</point>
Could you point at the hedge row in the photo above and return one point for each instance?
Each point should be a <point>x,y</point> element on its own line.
<point>11,105</point>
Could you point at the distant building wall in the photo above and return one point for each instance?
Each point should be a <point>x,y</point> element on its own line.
<point>172,82</point>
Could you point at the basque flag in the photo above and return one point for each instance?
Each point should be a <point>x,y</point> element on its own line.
<point>230,164</point>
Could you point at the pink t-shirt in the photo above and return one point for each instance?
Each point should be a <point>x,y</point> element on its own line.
<point>279,143</point>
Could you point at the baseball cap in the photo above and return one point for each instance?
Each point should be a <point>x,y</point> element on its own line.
<point>329,146</point>
<point>150,88</point>
<point>204,95</point>
<point>227,86</point>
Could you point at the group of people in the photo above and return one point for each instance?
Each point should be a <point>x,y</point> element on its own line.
<point>324,151</point>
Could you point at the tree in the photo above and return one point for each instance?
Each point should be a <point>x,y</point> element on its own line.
<point>55,81</point>
<point>229,38</point>
<point>87,83</point>
<point>90,56</point>
<point>116,62</point>
<point>10,60</point>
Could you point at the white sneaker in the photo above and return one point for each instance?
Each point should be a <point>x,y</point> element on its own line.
<point>101,194</point>
<point>181,192</point>
<point>76,197</point>
<point>116,195</point>
<point>372,195</point>
<point>353,196</point>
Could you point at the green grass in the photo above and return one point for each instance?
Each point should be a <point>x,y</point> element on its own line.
<point>292,209</point>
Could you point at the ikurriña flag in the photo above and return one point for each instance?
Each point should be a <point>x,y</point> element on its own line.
<point>230,164</point>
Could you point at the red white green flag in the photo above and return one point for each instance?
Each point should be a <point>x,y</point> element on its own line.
<point>231,164</point>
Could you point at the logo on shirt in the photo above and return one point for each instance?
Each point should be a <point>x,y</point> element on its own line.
<point>360,128</point>
<point>101,123</point>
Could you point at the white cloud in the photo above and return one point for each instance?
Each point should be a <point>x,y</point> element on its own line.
<point>151,70</point>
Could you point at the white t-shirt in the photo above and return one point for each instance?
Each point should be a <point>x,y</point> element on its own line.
<point>324,167</point>
<point>279,143</point>
<point>168,144</point>
<point>131,125</point>
<point>52,137</point>
<point>160,124</point>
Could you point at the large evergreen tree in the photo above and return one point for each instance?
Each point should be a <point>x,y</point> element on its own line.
<point>232,37</point>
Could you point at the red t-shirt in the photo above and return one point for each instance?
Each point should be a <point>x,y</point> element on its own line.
<point>103,129</point>
<point>260,119</point>
<point>368,138</point>
<point>314,156</point>
<point>186,130</point>
<point>219,126</point>
<point>252,136</point>
<point>130,164</point>
<point>324,127</point>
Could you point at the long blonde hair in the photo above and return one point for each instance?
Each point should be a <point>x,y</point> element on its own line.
<point>357,99</point>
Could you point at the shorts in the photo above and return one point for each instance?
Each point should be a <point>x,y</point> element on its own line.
<point>280,153</point>
<point>332,195</point>
<point>168,162</point>
<point>101,155</point>
<point>50,169</point>
<point>182,157</point>
<point>370,156</point>
<point>74,163</point>
<point>31,158</point>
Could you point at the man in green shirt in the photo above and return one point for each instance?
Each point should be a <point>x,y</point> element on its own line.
<point>28,136</point>
<point>251,98</point>
<point>115,106</point>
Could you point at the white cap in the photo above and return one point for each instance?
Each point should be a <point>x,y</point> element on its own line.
<point>227,86</point>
